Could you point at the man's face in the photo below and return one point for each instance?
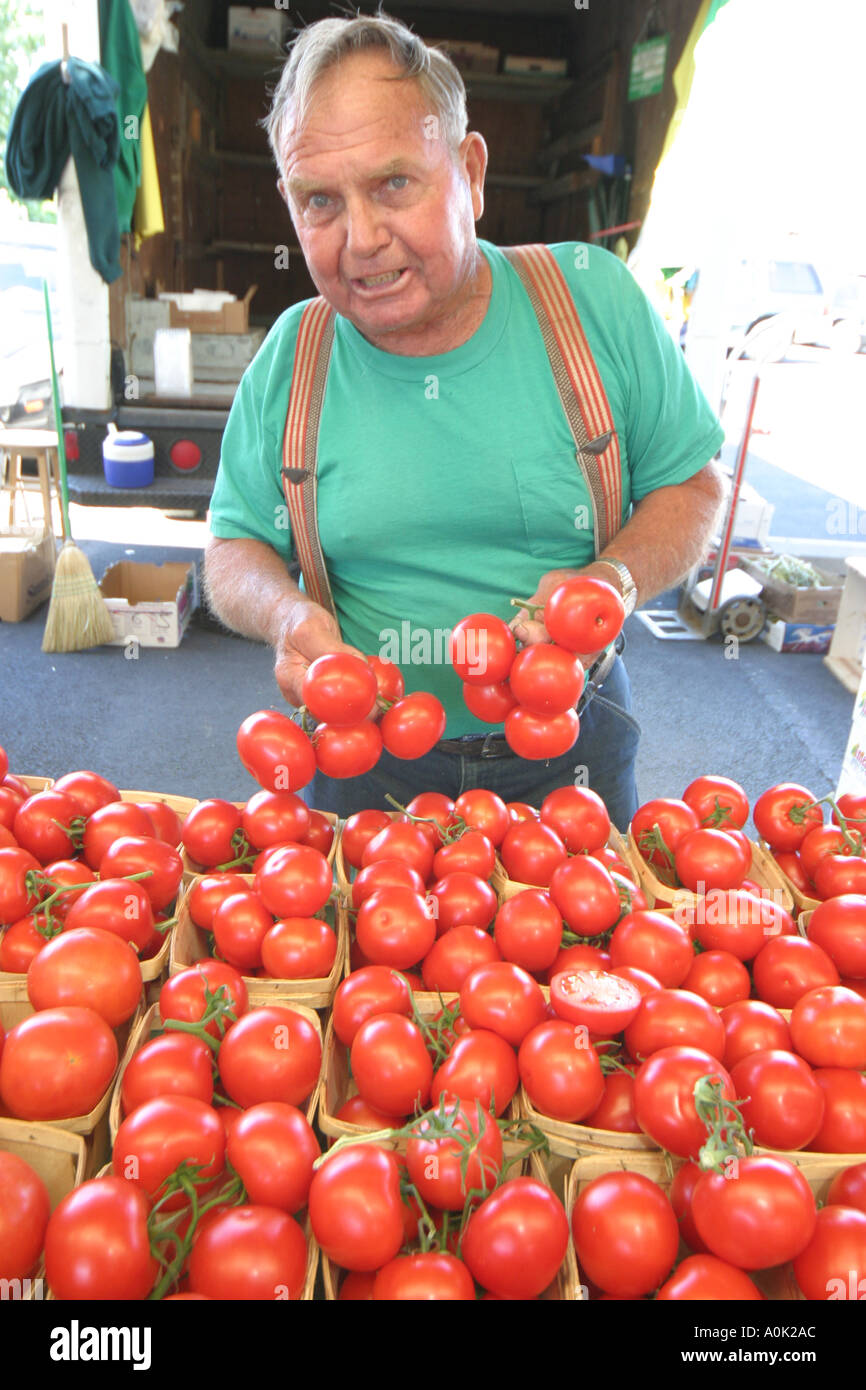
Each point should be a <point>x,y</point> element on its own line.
<point>384,211</point>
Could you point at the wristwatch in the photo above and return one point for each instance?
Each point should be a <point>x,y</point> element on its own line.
<point>629,588</point>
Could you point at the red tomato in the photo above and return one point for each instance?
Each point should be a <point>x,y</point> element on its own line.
<point>89,789</point>
<point>503,998</point>
<point>212,833</point>
<point>667,1017</point>
<point>645,982</point>
<point>516,1240</point>
<point>560,1071</point>
<point>356,1111</point>
<point>828,1027</point>
<point>833,1264</point>
<point>22,941</point>
<point>531,852</point>
<point>781,1103</point>
<point>205,895</point>
<point>115,905</point>
<point>784,815</point>
<point>825,840</point>
<point>681,1192</point>
<point>454,956</point>
<point>734,921</point>
<point>788,967</point>
<point>615,1110</point>
<point>375,989</point>
<point>390,1064</point>
<point>843,1129</point>
<point>718,802</point>
<point>579,957</point>
<point>57,1064</point>
<point>90,969</point>
<point>839,928</point>
<point>97,1244</point>
<point>436,1162</point>
<point>848,1188</point>
<point>112,822</point>
<point>428,1276</point>
<point>752,1026</point>
<point>585,895</point>
<point>183,996</point>
<point>355,1207</point>
<point>462,899</point>
<point>240,924</point>
<point>396,927</point>
<point>413,725</point>
<point>673,818</point>
<point>166,822</point>
<point>602,1003</point>
<point>133,854</point>
<point>489,703</point>
<point>173,1064</point>
<point>271,1053</point>
<point>249,1252</point>
<point>46,825</point>
<point>299,948</point>
<point>481,1066</point>
<point>584,614</point>
<point>765,1216</point>
<point>664,1097</point>
<point>357,832</point>
<point>24,1210</point>
<point>539,737</point>
<point>272,1149</point>
<point>339,688</point>
<point>320,834</point>
<point>398,840</point>
<point>482,649</point>
<point>472,853</point>
<point>20,888</point>
<point>295,882</point>
<point>275,751</point>
<point>707,859</point>
<point>347,750</point>
<point>719,977</point>
<point>162,1133</point>
<point>654,943</point>
<point>789,862</point>
<point>703,1277</point>
<point>579,817</point>
<point>528,930</point>
<point>485,811</point>
<point>520,810</point>
<point>272,818</point>
<point>546,679</point>
<point>625,1233</point>
<point>389,679</point>
<point>840,873</point>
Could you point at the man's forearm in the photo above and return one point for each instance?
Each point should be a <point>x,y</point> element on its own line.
<point>250,589</point>
<point>667,533</point>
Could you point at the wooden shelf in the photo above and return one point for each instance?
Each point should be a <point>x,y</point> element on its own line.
<point>552,190</point>
<point>515,86</point>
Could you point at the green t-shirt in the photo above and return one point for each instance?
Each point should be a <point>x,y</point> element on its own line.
<point>447,484</point>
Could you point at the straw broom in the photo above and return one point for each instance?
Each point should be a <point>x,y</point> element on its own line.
<point>78,617</point>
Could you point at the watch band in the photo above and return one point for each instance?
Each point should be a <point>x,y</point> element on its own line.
<point>629,588</point>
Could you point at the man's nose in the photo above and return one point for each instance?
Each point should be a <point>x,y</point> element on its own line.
<point>366,233</point>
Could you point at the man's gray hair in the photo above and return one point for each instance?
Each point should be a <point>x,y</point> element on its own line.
<point>323,44</point>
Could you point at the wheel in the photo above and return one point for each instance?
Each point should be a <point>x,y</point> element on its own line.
<point>768,339</point>
<point>845,336</point>
<point>742,618</point>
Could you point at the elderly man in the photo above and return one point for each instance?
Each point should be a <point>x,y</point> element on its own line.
<point>447,478</point>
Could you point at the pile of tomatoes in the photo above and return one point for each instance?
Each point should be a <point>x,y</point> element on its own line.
<point>533,692</point>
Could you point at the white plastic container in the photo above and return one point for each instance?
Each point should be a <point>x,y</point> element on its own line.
<point>127,458</point>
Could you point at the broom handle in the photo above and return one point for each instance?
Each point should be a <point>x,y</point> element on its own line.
<point>58,422</point>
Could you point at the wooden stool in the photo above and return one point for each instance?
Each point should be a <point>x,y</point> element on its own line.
<point>41,445</point>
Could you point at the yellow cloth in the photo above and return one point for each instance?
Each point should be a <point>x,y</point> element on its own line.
<point>684,73</point>
<point>147,217</point>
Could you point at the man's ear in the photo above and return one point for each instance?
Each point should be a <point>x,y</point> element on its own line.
<point>283,192</point>
<point>473,156</point>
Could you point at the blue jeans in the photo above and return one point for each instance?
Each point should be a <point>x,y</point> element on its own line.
<point>603,758</point>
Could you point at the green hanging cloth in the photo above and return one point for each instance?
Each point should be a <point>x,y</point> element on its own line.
<point>120,47</point>
<point>55,119</point>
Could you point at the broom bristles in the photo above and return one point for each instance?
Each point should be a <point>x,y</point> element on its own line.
<point>78,617</point>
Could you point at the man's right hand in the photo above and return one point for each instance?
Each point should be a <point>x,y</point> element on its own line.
<point>308,631</point>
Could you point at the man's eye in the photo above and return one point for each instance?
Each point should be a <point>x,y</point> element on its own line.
<point>398,181</point>
<point>319,201</point>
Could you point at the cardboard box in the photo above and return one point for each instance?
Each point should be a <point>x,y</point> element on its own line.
<point>847,654</point>
<point>852,778</point>
<point>209,311</point>
<point>538,67</point>
<point>215,356</point>
<point>819,605</point>
<point>471,57</point>
<point>27,556</point>
<point>797,637</point>
<point>150,604</point>
<point>256,29</point>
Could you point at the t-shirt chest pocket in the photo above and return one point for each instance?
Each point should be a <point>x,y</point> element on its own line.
<point>556,506</point>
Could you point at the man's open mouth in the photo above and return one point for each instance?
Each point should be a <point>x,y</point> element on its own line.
<point>385,278</point>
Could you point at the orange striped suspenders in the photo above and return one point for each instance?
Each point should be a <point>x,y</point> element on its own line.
<point>578,384</point>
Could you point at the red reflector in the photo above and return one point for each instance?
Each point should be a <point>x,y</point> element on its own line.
<point>185,455</point>
<point>70,443</point>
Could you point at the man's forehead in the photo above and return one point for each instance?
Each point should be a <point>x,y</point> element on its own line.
<point>364,98</point>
